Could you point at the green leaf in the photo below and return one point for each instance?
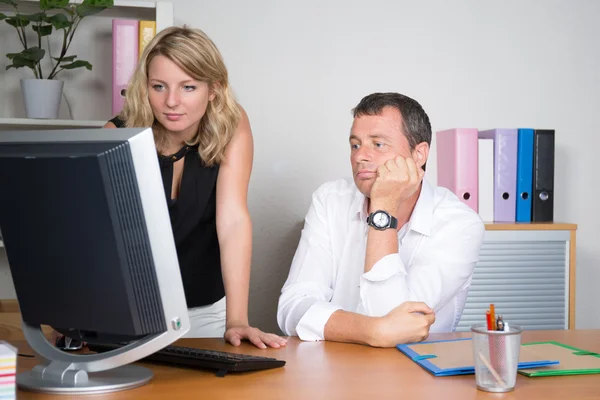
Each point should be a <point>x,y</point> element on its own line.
<point>99,3</point>
<point>11,2</point>
<point>2,16</point>
<point>17,22</point>
<point>33,54</point>
<point>60,21</point>
<point>19,62</point>
<point>43,30</point>
<point>85,10</point>
<point>78,64</point>
<point>37,17</point>
<point>65,59</point>
<point>50,4</point>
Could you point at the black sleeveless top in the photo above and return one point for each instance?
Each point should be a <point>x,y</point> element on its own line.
<point>193,220</point>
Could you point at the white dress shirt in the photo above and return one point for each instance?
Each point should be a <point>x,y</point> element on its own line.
<point>437,251</point>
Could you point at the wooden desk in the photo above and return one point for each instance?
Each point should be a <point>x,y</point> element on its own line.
<point>11,328</point>
<point>326,370</point>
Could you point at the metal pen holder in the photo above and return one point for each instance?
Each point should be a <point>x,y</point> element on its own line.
<point>496,357</point>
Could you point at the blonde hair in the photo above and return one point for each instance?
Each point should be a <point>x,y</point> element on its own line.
<point>198,57</point>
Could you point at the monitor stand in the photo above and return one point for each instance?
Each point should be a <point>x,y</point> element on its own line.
<point>68,373</point>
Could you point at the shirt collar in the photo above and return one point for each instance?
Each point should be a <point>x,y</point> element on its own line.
<point>420,220</point>
<point>358,209</point>
<point>422,215</point>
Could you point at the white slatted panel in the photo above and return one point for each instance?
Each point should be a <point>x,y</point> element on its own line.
<point>525,275</point>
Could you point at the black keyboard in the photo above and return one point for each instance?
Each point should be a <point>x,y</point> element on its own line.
<point>219,361</point>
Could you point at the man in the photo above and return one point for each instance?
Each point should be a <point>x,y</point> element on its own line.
<point>387,258</point>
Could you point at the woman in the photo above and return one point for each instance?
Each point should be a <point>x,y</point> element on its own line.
<point>205,149</point>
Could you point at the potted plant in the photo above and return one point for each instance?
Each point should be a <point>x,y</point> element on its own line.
<point>42,94</point>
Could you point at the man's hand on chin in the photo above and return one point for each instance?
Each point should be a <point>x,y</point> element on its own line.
<point>397,180</point>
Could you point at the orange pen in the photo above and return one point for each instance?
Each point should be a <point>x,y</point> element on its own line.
<point>493,316</point>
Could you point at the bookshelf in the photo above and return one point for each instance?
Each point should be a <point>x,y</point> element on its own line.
<point>159,11</point>
<point>31,124</point>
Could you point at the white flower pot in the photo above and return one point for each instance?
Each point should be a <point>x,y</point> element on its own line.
<point>41,97</point>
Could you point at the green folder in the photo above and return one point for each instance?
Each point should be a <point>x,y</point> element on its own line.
<point>573,361</point>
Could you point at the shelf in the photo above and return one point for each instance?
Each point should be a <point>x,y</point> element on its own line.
<point>118,3</point>
<point>29,123</point>
<point>530,226</point>
<point>137,4</point>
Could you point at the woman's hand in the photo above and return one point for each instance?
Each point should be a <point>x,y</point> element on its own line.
<point>236,333</point>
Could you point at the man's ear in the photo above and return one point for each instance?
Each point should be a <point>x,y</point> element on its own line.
<point>421,153</point>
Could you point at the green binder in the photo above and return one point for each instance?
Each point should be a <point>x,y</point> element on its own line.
<point>573,361</point>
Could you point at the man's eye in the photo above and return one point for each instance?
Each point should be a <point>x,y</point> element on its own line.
<point>354,146</point>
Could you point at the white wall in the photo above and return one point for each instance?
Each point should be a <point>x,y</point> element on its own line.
<point>7,289</point>
<point>298,67</point>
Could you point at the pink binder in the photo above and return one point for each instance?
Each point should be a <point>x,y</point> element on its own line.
<point>457,163</point>
<point>125,56</point>
<point>505,172</point>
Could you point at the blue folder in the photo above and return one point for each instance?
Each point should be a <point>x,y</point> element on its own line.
<point>460,357</point>
<point>524,175</point>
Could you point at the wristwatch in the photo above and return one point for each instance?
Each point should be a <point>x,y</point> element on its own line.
<point>382,220</point>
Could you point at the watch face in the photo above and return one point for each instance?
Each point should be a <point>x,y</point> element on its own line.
<point>380,219</point>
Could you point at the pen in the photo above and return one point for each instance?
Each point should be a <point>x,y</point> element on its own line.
<point>488,318</point>
<point>500,323</point>
<point>492,370</point>
<point>493,314</point>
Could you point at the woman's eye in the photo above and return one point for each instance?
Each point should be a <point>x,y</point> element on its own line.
<point>189,88</point>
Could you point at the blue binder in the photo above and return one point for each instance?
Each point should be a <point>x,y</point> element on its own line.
<point>458,357</point>
<point>524,175</point>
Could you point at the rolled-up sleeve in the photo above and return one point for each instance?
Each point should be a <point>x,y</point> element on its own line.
<point>441,268</point>
<point>312,324</point>
<point>304,304</point>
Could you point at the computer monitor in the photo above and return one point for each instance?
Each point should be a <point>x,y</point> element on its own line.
<point>88,239</point>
